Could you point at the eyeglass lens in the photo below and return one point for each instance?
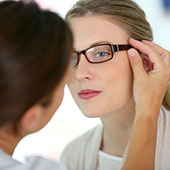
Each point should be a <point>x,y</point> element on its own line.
<point>95,54</point>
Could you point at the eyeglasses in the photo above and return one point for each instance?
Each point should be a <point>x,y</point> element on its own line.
<point>99,53</point>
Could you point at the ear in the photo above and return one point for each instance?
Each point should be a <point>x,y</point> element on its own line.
<point>148,66</point>
<point>31,120</point>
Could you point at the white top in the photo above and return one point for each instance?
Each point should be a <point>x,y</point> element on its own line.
<point>108,162</point>
<point>82,152</point>
<point>32,163</point>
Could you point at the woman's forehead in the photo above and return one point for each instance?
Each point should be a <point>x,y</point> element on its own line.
<point>88,30</point>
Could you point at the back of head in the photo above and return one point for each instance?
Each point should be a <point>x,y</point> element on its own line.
<point>126,13</point>
<point>35,48</point>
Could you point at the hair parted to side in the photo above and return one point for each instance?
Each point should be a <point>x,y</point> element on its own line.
<point>126,13</point>
<point>35,48</point>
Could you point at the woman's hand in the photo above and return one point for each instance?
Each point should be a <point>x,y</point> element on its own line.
<point>149,87</point>
<point>149,90</point>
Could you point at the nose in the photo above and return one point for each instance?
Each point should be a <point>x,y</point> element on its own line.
<point>84,69</point>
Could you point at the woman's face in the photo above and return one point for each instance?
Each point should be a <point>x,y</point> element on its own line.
<point>100,89</point>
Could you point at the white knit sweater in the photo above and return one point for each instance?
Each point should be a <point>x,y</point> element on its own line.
<point>82,153</point>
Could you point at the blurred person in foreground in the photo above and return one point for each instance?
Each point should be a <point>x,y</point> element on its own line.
<point>35,47</point>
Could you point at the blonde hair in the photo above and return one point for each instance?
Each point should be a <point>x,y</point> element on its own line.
<point>126,13</point>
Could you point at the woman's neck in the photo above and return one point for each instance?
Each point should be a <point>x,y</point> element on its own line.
<point>117,129</point>
<point>8,139</point>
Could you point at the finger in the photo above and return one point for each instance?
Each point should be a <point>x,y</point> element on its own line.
<point>165,54</point>
<point>155,46</point>
<point>153,55</point>
<point>136,63</point>
<point>166,59</point>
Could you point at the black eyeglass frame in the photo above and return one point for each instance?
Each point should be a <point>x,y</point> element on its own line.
<point>114,48</point>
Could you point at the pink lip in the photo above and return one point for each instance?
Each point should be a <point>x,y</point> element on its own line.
<point>88,94</point>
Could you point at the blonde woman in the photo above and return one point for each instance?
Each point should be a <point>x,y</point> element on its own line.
<point>123,80</point>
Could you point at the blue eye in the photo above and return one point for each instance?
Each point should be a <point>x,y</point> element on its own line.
<point>101,54</point>
<point>74,58</point>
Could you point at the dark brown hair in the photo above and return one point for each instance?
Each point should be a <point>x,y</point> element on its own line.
<point>35,47</point>
<point>126,13</point>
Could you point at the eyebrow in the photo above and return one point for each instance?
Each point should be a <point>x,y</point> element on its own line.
<point>97,43</point>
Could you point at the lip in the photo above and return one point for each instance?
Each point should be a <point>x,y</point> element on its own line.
<point>88,94</point>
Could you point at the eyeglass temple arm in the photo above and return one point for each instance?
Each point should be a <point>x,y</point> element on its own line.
<point>122,47</point>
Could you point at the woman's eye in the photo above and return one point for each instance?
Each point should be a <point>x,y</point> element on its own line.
<point>102,54</point>
<point>74,58</point>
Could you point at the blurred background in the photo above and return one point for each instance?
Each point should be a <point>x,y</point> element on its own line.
<point>68,122</point>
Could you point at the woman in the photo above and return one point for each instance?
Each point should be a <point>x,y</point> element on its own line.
<point>110,83</point>
<point>35,47</point>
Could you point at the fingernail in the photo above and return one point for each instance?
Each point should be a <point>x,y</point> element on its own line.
<point>132,52</point>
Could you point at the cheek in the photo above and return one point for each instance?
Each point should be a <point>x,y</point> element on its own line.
<point>122,78</point>
<point>53,106</point>
<point>71,81</point>
<point>73,84</point>
<point>56,102</point>
<point>121,88</point>
<point>73,90</point>
<point>120,83</point>
<point>58,98</point>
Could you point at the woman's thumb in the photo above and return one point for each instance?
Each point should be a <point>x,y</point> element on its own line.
<point>136,62</point>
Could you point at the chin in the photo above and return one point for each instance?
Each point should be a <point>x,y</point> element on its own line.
<point>102,110</point>
<point>93,113</point>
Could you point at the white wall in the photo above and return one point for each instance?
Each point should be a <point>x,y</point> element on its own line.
<point>159,20</point>
<point>68,121</point>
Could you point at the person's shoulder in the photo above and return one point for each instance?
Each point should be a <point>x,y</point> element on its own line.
<point>8,163</point>
<point>41,163</point>
<point>31,163</point>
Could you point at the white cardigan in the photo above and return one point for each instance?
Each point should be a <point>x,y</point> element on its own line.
<point>82,153</point>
